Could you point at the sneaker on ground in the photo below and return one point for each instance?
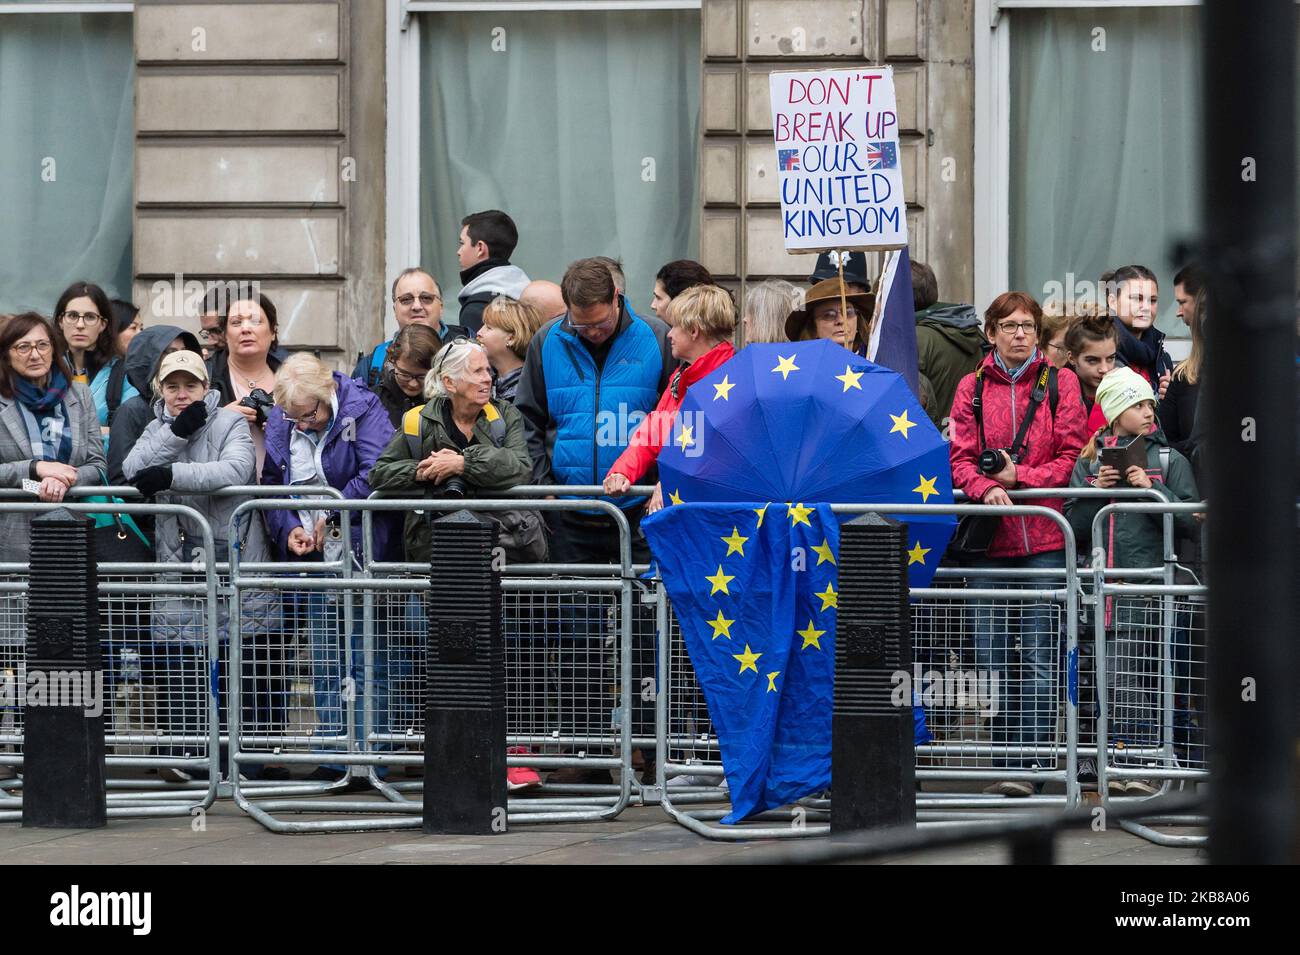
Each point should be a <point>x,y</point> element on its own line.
<point>1140,787</point>
<point>1087,772</point>
<point>521,777</point>
<point>1011,787</point>
<point>174,774</point>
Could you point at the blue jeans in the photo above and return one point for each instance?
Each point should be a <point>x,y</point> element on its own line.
<point>1026,697</point>
<point>336,679</point>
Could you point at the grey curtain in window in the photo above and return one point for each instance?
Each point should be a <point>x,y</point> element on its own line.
<point>582,127</point>
<point>66,155</point>
<point>1105,166</point>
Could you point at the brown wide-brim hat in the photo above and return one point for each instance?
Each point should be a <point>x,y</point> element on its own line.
<point>800,321</point>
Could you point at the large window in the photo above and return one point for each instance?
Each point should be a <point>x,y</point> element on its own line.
<point>66,136</point>
<point>1105,144</point>
<point>581,125</point>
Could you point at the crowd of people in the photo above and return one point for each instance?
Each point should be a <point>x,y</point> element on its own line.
<point>514,391</point>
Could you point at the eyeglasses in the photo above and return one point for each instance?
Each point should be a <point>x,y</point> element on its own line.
<point>833,314</point>
<point>77,318</point>
<point>1010,328</point>
<point>309,418</point>
<point>211,334</point>
<point>1055,347</point>
<point>248,321</point>
<point>407,377</point>
<point>26,348</point>
<point>406,301</point>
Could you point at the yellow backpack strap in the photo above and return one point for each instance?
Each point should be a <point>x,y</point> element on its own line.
<point>496,424</point>
<point>411,428</point>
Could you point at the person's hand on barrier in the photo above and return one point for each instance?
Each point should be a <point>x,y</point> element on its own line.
<point>52,490</point>
<point>57,470</point>
<point>1107,476</point>
<point>300,542</point>
<point>1007,476</point>
<point>152,480</point>
<point>616,483</point>
<point>190,420</point>
<point>997,495</point>
<point>444,464</point>
<point>250,414</point>
<point>656,502</point>
<point>1164,383</point>
<point>318,536</point>
<point>1137,477</point>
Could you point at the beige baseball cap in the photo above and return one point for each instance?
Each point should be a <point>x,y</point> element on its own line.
<point>187,361</point>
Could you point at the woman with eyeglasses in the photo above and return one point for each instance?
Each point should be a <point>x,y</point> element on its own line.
<point>326,429</point>
<point>88,338</point>
<point>49,431</point>
<point>410,355</point>
<point>821,316</point>
<point>244,371</point>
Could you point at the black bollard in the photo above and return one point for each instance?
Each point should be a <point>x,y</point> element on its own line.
<point>465,682</point>
<point>63,736</point>
<point>873,768</point>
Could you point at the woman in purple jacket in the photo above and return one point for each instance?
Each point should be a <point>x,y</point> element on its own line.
<point>326,429</point>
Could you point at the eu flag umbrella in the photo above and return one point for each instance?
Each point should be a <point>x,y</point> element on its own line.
<point>811,422</point>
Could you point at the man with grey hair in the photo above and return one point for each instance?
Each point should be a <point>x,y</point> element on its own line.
<point>417,300</point>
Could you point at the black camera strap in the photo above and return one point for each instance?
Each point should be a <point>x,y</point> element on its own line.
<point>1046,382</point>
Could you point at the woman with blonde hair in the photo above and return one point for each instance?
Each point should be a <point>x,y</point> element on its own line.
<point>1178,406</point>
<point>508,327</point>
<point>767,305</point>
<point>703,319</point>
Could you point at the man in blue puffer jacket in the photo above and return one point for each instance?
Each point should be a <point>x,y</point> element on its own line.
<point>589,378</point>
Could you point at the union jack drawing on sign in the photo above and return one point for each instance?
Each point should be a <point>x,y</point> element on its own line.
<point>788,159</point>
<point>882,156</point>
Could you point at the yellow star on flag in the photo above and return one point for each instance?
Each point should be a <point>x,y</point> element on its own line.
<point>917,554</point>
<point>850,378</point>
<point>811,636</point>
<point>829,597</point>
<point>721,626</point>
<point>785,366</point>
<point>719,582</point>
<point>823,553</point>
<point>771,680</point>
<point>735,543</point>
<point>926,488</point>
<point>798,514</point>
<point>687,436</point>
<point>901,424</point>
<point>760,511</point>
<point>748,659</point>
<point>723,389</point>
<point>675,497</point>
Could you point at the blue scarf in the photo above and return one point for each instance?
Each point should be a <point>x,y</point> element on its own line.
<point>47,417</point>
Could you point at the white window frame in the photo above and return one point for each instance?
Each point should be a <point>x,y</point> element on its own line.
<point>402,162</point>
<point>992,55</point>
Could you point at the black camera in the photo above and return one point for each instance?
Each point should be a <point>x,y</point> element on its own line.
<point>260,402</point>
<point>454,486</point>
<point>993,460</point>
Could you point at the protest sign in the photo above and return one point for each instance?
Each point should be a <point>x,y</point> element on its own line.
<point>837,158</point>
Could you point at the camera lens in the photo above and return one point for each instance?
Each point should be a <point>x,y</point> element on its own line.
<point>990,461</point>
<point>455,487</point>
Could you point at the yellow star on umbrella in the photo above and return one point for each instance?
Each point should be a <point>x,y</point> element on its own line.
<point>675,497</point>
<point>723,389</point>
<point>901,423</point>
<point>829,597</point>
<point>917,554</point>
<point>851,378</point>
<point>771,680</point>
<point>811,636</point>
<point>748,659</point>
<point>798,514</point>
<point>721,626</point>
<point>785,366</point>
<point>735,543</point>
<point>926,488</point>
<point>823,552</point>
<point>720,581</point>
<point>760,511</point>
<point>687,436</point>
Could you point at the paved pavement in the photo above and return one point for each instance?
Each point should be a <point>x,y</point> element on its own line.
<point>638,836</point>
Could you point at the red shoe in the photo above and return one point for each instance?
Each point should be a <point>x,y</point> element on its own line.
<point>520,777</point>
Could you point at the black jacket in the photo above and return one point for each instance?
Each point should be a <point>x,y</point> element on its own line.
<point>142,360</point>
<point>1178,416</point>
<point>395,401</point>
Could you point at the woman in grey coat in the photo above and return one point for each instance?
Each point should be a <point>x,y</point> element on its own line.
<point>192,448</point>
<point>49,428</point>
